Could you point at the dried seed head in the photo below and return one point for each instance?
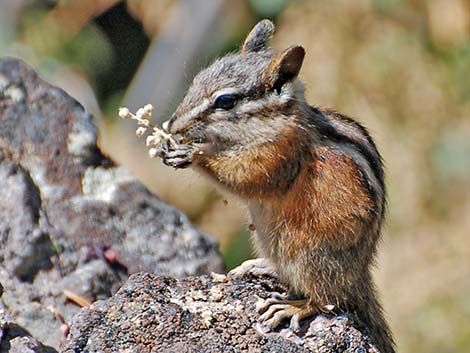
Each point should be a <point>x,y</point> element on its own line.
<point>153,152</point>
<point>143,116</point>
<point>140,131</point>
<point>148,109</point>
<point>143,122</point>
<point>140,113</point>
<point>153,140</point>
<point>124,113</point>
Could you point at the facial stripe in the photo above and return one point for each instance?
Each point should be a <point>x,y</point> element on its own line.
<point>270,102</point>
<point>226,91</point>
<point>251,103</point>
<point>187,119</point>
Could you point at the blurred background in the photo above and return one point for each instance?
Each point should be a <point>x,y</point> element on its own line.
<point>401,67</point>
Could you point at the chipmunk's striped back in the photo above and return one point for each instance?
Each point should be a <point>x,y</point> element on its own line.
<point>349,136</point>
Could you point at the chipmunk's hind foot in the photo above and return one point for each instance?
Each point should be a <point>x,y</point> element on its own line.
<point>278,308</point>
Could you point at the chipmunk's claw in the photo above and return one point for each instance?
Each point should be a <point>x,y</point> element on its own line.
<point>276,309</point>
<point>176,156</point>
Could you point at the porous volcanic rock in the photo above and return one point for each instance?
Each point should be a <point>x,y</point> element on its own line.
<point>72,223</point>
<point>203,314</point>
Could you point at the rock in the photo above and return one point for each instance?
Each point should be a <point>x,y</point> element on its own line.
<point>15,339</point>
<point>70,219</point>
<point>214,314</point>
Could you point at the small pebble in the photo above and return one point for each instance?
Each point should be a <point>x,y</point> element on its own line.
<point>110,255</point>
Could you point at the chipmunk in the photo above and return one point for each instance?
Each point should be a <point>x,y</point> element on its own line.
<point>312,179</point>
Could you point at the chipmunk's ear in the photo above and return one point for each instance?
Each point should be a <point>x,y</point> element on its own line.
<point>259,37</point>
<point>284,67</point>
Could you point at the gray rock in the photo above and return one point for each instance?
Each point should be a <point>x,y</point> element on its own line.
<point>15,339</point>
<point>202,314</point>
<point>70,220</point>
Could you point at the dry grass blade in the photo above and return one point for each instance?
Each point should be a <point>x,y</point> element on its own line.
<point>77,299</point>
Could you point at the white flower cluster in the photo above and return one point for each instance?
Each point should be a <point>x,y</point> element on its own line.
<point>143,117</point>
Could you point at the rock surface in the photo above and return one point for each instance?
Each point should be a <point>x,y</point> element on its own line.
<point>202,314</point>
<point>15,339</point>
<point>72,224</point>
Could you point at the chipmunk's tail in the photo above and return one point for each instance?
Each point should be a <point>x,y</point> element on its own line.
<point>372,317</point>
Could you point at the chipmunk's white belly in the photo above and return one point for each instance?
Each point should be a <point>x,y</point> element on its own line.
<point>266,240</point>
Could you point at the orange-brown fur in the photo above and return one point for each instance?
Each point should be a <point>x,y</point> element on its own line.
<point>254,172</point>
<point>326,208</point>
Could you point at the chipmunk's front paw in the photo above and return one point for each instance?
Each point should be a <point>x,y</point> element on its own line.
<point>255,268</point>
<point>177,156</point>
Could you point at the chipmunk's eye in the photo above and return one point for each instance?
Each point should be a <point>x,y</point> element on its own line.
<point>225,101</point>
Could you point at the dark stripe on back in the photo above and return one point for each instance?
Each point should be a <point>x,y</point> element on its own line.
<point>325,129</point>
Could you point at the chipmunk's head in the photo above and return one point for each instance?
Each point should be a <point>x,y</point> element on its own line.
<point>244,99</point>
